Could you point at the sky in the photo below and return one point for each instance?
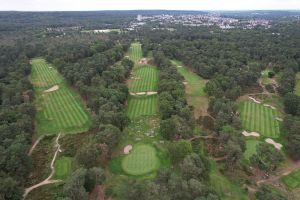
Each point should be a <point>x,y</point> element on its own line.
<point>75,5</point>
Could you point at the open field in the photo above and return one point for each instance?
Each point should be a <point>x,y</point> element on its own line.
<point>194,88</point>
<point>141,160</point>
<point>63,167</point>
<point>251,148</point>
<point>135,52</point>
<point>259,118</point>
<point>297,88</point>
<point>145,79</point>
<point>292,180</point>
<point>60,109</point>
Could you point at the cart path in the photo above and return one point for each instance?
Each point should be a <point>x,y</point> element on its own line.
<point>47,180</point>
<point>34,145</point>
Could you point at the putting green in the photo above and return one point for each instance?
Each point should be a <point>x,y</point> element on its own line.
<point>141,160</point>
<point>63,167</point>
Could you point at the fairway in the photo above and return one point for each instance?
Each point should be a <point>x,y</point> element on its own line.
<point>259,118</point>
<point>144,78</point>
<point>194,89</point>
<point>141,160</point>
<point>135,52</point>
<point>63,167</point>
<point>60,110</point>
<point>292,180</point>
<point>251,148</point>
<point>142,105</point>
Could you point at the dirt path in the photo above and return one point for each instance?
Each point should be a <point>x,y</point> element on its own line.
<point>293,166</point>
<point>47,180</point>
<point>34,145</point>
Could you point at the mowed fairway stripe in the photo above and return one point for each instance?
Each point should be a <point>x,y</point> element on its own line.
<point>259,118</point>
<point>60,109</point>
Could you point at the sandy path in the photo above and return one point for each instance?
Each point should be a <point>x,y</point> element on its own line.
<point>47,180</point>
<point>34,145</point>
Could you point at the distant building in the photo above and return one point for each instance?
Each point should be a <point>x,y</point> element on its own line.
<point>139,18</point>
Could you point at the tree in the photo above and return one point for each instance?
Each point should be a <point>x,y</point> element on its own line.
<point>291,103</point>
<point>94,176</point>
<point>267,157</point>
<point>74,186</point>
<point>194,167</point>
<point>178,150</point>
<point>87,154</point>
<point>10,189</point>
<point>109,135</point>
<point>266,192</point>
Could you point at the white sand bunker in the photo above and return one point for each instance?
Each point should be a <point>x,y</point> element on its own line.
<point>276,145</point>
<point>179,66</point>
<point>143,93</point>
<point>248,134</point>
<point>267,105</point>
<point>185,83</point>
<point>279,119</point>
<point>253,99</point>
<point>50,67</point>
<point>52,89</point>
<point>127,149</point>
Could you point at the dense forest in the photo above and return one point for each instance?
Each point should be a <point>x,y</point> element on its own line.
<point>98,67</point>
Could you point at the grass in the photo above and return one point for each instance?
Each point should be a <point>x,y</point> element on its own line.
<point>251,148</point>
<point>194,89</point>
<point>141,160</point>
<point>292,180</point>
<point>259,118</point>
<point>135,52</point>
<point>195,84</point>
<point>225,188</point>
<point>63,167</point>
<point>145,79</point>
<point>297,88</point>
<point>58,111</point>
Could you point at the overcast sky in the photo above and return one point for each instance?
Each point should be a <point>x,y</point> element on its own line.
<point>58,5</point>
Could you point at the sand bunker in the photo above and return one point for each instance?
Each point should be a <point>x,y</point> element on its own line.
<point>256,101</point>
<point>276,145</point>
<point>52,89</point>
<point>50,67</point>
<point>185,83</point>
<point>179,66</point>
<point>267,105</point>
<point>279,119</point>
<point>143,61</point>
<point>143,93</point>
<point>127,149</point>
<point>248,134</point>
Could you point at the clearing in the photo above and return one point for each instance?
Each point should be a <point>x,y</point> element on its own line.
<point>259,118</point>
<point>59,108</point>
<point>194,88</point>
<point>142,159</point>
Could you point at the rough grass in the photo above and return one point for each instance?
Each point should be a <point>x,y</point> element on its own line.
<point>292,180</point>
<point>63,167</point>
<point>141,160</point>
<point>297,88</point>
<point>225,188</point>
<point>251,148</point>
<point>194,90</point>
<point>261,119</point>
<point>58,111</point>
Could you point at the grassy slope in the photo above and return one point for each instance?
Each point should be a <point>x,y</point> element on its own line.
<point>194,90</point>
<point>297,88</point>
<point>251,148</point>
<point>63,167</point>
<point>58,111</point>
<point>292,180</point>
<point>256,117</point>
